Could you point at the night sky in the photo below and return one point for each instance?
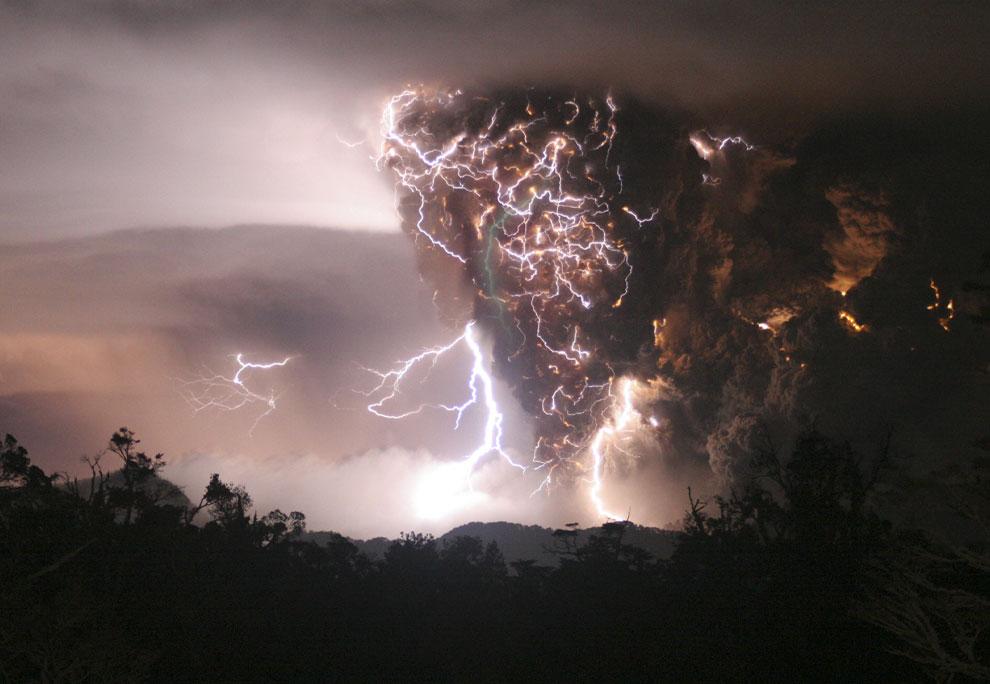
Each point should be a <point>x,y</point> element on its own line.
<point>183,181</point>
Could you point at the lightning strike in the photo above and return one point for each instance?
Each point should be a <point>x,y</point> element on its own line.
<point>525,199</point>
<point>623,417</point>
<point>480,393</point>
<point>708,146</point>
<point>722,143</point>
<point>220,392</point>
<point>641,220</point>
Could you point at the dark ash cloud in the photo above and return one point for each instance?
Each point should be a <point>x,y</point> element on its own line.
<point>143,113</point>
<point>772,290</point>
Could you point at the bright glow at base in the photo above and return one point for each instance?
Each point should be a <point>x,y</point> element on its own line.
<point>445,489</point>
<point>609,437</point>
<point>390,383</point>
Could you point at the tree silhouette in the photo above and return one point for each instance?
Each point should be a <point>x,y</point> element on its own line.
<point>137,468</point>
<point>16,469</point>
<point>794,575</point>
<point>933,595</point>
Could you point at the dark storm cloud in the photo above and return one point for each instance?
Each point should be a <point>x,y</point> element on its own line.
<point>920,50</point>
<point>123,113</point>
<point>905,193</point>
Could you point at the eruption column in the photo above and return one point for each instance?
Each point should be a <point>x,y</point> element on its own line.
<point>524,197</point>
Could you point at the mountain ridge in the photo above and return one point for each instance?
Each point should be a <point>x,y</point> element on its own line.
<point>520,542</point>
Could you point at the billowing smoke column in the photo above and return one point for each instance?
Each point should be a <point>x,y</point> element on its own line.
<point>660,298</point>
<point>636,275</point>
<point>554,223</point>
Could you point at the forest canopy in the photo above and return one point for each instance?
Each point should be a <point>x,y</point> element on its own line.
<point>798,574</point>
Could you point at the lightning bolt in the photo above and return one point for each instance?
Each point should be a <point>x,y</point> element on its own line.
<point>480,392</point>
<point>541,197</point>
<point>350,144</point>
<point>231,393</point>
<point>623,418</point>
<point>707,145</point>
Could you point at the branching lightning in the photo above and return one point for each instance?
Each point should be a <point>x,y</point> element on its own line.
<point>389,388</point>
<point>350,144</point>
<point>527,200</point>
<point>220,392</point>
<point>624,416</point>
<point>707,145</point>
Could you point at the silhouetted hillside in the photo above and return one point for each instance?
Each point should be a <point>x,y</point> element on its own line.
<point>795,578</point>
<point>520,542</point>
<point>372,548</point>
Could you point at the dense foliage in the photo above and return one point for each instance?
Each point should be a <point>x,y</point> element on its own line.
<point>794,578</point>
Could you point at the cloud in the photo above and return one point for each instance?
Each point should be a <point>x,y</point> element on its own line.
<point>121,317</point>
<point>120,114</point>
<point>865,236</point>
<point>731,298</point>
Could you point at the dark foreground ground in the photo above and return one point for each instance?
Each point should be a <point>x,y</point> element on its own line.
<point>797,577</point>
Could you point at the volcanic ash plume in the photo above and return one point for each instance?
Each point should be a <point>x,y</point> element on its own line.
<point>555,219</point>
<point>635,275</point>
